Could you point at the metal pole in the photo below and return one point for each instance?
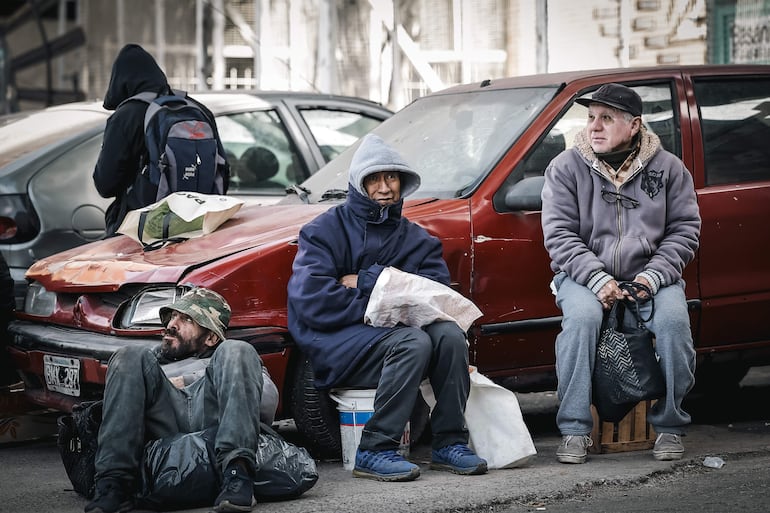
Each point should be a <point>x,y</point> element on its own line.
<point>200,48</point>
<point>322,60</point>
<point>120,9</point>
<point>257,48</point>
<point>541,20</point>
<point>217,44</point>
<point>396,90</point>
<point>160,34</point>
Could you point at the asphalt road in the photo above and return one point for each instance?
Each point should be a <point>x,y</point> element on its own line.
<point>741,485</point>
<point>734,427</point>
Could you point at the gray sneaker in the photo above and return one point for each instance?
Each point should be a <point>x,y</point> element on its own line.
<point>668,446</point>
<point>573,448</point>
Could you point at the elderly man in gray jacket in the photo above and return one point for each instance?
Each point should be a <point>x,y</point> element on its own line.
<point>618,207</point>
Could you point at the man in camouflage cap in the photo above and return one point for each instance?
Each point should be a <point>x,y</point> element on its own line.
<point>208,309</point>
<point>141,403</point>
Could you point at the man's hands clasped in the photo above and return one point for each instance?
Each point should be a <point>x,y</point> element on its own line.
<point>611,292</point>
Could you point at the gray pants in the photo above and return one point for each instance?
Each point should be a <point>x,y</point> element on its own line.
<point>141,404</point>
<point>576,350</point>
<point>396,365</point>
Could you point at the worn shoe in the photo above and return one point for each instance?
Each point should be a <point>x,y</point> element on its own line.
<point>668,446</point>
<point>384,466</point>
<point>458,458</point>
<point>237,491</point>
<point>111,497</point>
<point>573,448</point>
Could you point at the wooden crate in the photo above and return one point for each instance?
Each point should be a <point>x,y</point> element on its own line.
<point>632,433</point>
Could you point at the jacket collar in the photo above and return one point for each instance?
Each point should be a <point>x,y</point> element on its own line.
<point>649,144</point>
<point>371,211</point>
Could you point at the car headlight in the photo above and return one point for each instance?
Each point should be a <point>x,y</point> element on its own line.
<point>39,301</point>
<point>144,309</point>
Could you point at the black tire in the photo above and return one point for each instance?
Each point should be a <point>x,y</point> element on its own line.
<point>315,414</point>
<point>317,420</point>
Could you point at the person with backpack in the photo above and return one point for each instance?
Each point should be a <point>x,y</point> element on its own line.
<point>127,167</point>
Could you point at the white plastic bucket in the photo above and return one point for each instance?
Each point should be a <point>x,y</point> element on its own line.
<point>356,407</point>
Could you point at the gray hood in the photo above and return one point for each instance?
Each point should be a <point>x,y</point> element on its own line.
<point>373,156</point>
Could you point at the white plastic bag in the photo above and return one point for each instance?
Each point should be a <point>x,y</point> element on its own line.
<point>495,425</point>
<point>181,215</point>
<point>410,299</point>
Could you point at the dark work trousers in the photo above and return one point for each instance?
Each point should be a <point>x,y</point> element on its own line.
<point>141,404</point>
<point>396,365</point>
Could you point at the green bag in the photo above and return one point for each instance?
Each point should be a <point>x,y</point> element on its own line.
<point>178,217</point>
<point>162,223</point>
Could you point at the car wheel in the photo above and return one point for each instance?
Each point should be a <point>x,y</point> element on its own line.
<point>315,414</point>
<point>317,420</point>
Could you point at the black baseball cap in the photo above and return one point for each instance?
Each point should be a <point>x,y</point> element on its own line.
<point>617,96</point>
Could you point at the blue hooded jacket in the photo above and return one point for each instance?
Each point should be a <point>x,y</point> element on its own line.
<point>359,237</point>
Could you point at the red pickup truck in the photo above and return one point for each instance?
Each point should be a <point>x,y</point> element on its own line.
<point>481,150</point>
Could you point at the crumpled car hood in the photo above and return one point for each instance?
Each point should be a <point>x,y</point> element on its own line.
<point>109,264</point>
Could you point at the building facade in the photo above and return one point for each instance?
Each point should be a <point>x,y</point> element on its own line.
<point>390,51</point>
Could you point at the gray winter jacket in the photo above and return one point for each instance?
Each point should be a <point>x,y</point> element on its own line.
<point>594,238</point>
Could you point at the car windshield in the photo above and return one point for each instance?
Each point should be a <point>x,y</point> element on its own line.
<point>21,134</point>
<point>452,140</point>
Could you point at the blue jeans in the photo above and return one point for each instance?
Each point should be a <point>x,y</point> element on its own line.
<point>576,350</point>
<point>141,404</point>
<point>396,365</point>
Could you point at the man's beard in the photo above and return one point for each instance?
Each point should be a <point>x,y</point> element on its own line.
<point>182,349</point>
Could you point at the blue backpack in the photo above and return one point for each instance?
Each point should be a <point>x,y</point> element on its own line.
<point>185,152</point>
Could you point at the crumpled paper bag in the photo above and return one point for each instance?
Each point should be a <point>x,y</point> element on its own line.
<point>412,300</point>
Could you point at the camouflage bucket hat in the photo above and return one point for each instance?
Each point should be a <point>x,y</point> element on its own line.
<point>204,306</point>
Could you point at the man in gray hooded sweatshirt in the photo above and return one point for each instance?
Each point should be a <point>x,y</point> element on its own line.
<point>618,207</point>
<point>341,253</point>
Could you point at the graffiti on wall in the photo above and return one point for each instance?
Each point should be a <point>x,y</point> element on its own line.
<point>751,40</point>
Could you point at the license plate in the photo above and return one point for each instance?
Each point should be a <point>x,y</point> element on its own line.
<point>62,374</point>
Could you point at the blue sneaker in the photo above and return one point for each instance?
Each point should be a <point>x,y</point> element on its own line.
<point>458,458</point>
<point>384,466</point>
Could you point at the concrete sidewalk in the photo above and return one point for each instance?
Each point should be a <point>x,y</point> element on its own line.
<point>337,491</point>
<point>37,481</point>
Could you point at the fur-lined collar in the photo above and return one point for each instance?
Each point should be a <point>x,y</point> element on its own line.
<point>649,146</point>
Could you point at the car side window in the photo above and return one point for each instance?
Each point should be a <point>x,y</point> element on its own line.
<point>522,187</point>
<point>262,157</point>
<point>735,123</point>
<point>335,130</point>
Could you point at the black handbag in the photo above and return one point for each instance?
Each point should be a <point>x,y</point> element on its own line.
<point>77,441</point>
<point>626,369</point>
